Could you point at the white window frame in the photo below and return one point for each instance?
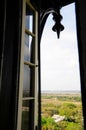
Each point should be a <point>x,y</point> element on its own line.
<point>35,65</point>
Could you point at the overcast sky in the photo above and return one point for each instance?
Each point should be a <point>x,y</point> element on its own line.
<point>59,57</point>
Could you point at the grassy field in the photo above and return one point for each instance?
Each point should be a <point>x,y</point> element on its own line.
<point>62,104</point>
<point>60,98</point>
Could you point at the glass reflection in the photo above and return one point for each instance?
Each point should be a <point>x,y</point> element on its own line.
<point>25,115</point>
<point>26,86</point>
<point>27,51</point>
<point>29,20</point>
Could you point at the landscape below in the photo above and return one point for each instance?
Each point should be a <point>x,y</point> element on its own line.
<point>61,110</point>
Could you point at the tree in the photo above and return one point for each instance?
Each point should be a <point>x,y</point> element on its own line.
<point>74,126</point>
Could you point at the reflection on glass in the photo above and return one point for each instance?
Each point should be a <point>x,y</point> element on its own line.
<point>25,115</point>
<point>26,86</point>
<point>27,51</point>
<point>29,20</point>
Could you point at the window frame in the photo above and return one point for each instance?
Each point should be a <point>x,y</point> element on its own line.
<point>34,98</point>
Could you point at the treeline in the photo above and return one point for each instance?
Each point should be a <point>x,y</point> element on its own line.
<point>64,97</point>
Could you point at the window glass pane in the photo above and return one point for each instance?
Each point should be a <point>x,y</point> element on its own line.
<point>26,86</point>
<point>25,115</point>
<point>29,19</point>
<point>27,51</point>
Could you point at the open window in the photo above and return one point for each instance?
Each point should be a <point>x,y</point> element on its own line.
<point>28,89</point>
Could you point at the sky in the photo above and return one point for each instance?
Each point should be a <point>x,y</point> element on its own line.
<point>59,57</point>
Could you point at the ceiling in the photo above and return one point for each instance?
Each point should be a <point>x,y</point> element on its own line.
<point>46,4</point>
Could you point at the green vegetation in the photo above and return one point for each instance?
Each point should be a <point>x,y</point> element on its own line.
<point>67,105</point>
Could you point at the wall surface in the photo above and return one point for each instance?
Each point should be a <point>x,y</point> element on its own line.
<point>81,32</point>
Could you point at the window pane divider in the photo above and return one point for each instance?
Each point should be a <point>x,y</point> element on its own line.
<point>28,98</point>
<point>30,5</point>
<point>30,64</point>
<point>29,33</point>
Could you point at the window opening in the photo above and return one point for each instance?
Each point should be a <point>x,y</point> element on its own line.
<point>60,77</point>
